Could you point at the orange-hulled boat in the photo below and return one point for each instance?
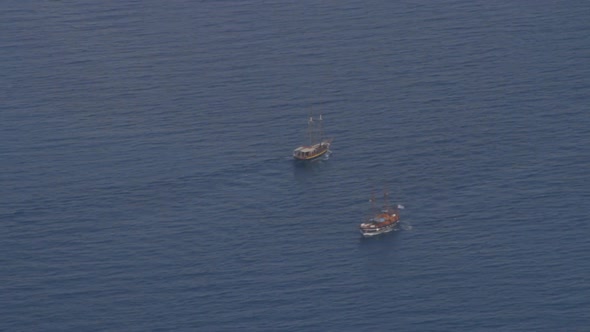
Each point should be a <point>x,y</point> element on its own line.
<point>383,221</point>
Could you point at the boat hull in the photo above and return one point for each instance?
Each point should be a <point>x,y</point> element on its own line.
<point>312,157</point>
<point>373,231</point>
<point>317,153</point>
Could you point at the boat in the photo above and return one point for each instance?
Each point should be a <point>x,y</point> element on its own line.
<point>382,221</point>
<point>318,145</point>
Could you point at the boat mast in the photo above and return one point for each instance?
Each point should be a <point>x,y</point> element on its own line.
<point>310,130</point>
<point>385,200</point>
<point>321,130</point>
<point>315,129</point>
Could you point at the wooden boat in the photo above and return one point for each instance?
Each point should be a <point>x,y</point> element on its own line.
<point>318,145</point>
<point>383,221</point>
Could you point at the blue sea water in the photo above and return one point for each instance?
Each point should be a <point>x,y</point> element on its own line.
<point>146,181</point>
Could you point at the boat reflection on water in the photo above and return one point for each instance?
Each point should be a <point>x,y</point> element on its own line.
<point>304,169</point>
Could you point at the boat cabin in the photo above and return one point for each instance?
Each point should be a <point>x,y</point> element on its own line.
<point>304,152</point>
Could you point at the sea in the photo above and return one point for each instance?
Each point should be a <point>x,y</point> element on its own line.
<point>147,180</point>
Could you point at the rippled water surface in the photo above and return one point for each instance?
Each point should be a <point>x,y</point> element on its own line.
<point>146,181</point>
